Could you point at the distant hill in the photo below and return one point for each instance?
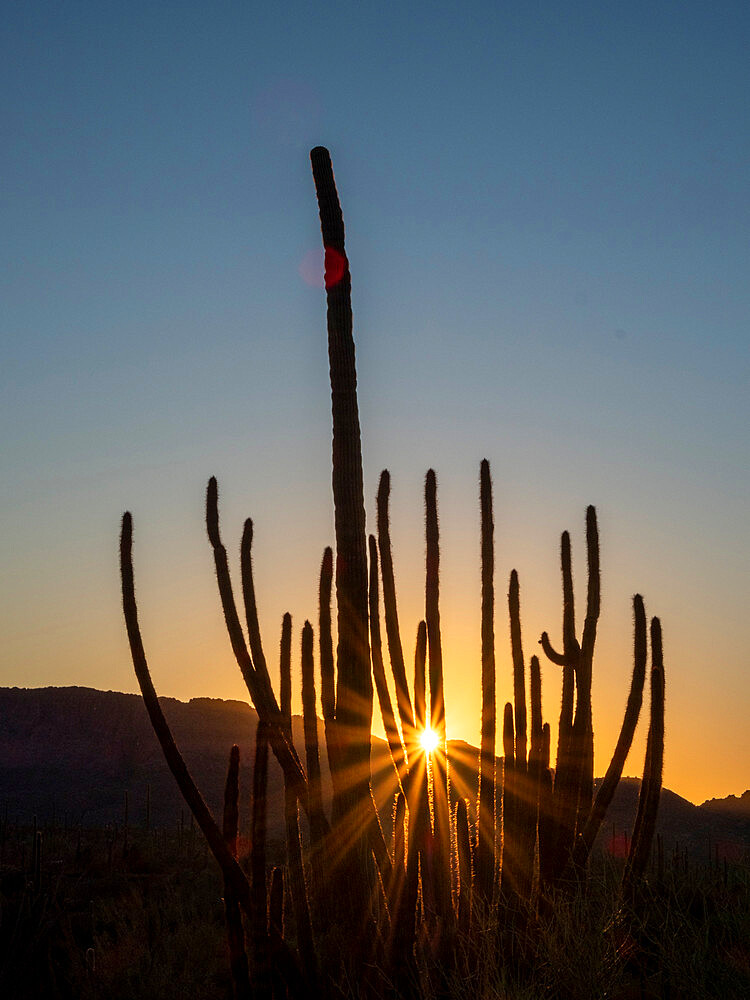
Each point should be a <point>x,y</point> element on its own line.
<point>73,753</point>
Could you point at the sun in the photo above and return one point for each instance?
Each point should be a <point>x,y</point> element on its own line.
<point>428,740</point>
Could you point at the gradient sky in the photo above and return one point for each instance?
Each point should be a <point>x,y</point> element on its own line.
<point>547,212</point>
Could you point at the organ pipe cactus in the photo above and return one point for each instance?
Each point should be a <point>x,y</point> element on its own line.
<point>438,759</point>
<point>393,736</point>
<point>394,909</point>
<point>524,817</point>
<point>632,711</point>
<point>574,775</point>
<point>298,886</point>
<point>312,759</point>
<point>648,802</point>
<point>485,842</point>
<point>235,930</point>
<point>259,910</point>
<point>354,683</point>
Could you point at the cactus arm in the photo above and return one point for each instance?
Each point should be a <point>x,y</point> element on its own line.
<point>463,850</point>
<point>584,713</point>
<point>648,802</point>
<point>593,601</point>
<point>525,790</point>
<point>508,734</point>
<point>251,611</point>
<point>399,841</point>
<point>420,658</point>
<point>509,846</point>
<point>418,802</point>
<point>485,850</point>
<point>263,698</point>
<point>288,978</point>
<point>259,823</point>
<point>396,884</point>
<point>235,930</point>
<point>611,779</point>
<point>285,674</point>
<point>570,643</point>
<point>390,608</point>
<point>550,652</point>
<point>260,808</point>
<point>536,754</point>
<point>438,759</point>
<point>327,669</point>
<point>378,670</point>
<point>276,924</point>
<point>231,817</point>
<point>354,683</point>
<point>232,872</point>
<point>567,775</point>
<point>297,883</point>
<point>318,822</point>
<point>535,690</point>
<point>328,678</point>
<point>432,610</point>
<point>547,826</point>
<point>234,628</point>
<point>519,687</point>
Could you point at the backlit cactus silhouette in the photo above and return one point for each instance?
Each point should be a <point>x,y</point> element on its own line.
<point>372,911</point>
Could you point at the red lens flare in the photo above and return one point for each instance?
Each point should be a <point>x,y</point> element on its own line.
<point>336,265</point>
<point>323,271</point>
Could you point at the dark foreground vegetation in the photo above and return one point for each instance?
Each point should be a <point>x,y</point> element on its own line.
<point>104,917</point>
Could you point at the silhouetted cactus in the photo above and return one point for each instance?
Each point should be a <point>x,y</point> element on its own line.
<point>296,871</point>
<point>258,830</point>
<point>509,843</point>
<point>485,849</point>
<point>373,899</point>
<point>232,872</point>
<point>523,827</point>
<point>611,779</point>
<point>395,649</point>
<point>257,681</point>
<point>439,758</point>
<point>648,801</point>
<point>235,930</point>
<point>354,683</point>
<point>312,759</point>
<point>463,850</point>
<point>546,825</point>
<point>573,787</point>
<point>378,670</point>
<point>420,833</point>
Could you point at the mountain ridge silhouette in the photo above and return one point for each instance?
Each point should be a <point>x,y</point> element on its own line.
<point>71,753</point>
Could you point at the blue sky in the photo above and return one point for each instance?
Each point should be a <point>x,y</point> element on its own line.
<point>547,213</point>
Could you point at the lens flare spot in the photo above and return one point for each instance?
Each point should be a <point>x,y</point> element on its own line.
<point>312,267</point>
<point>335,267</point>
<point>323,270</point>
